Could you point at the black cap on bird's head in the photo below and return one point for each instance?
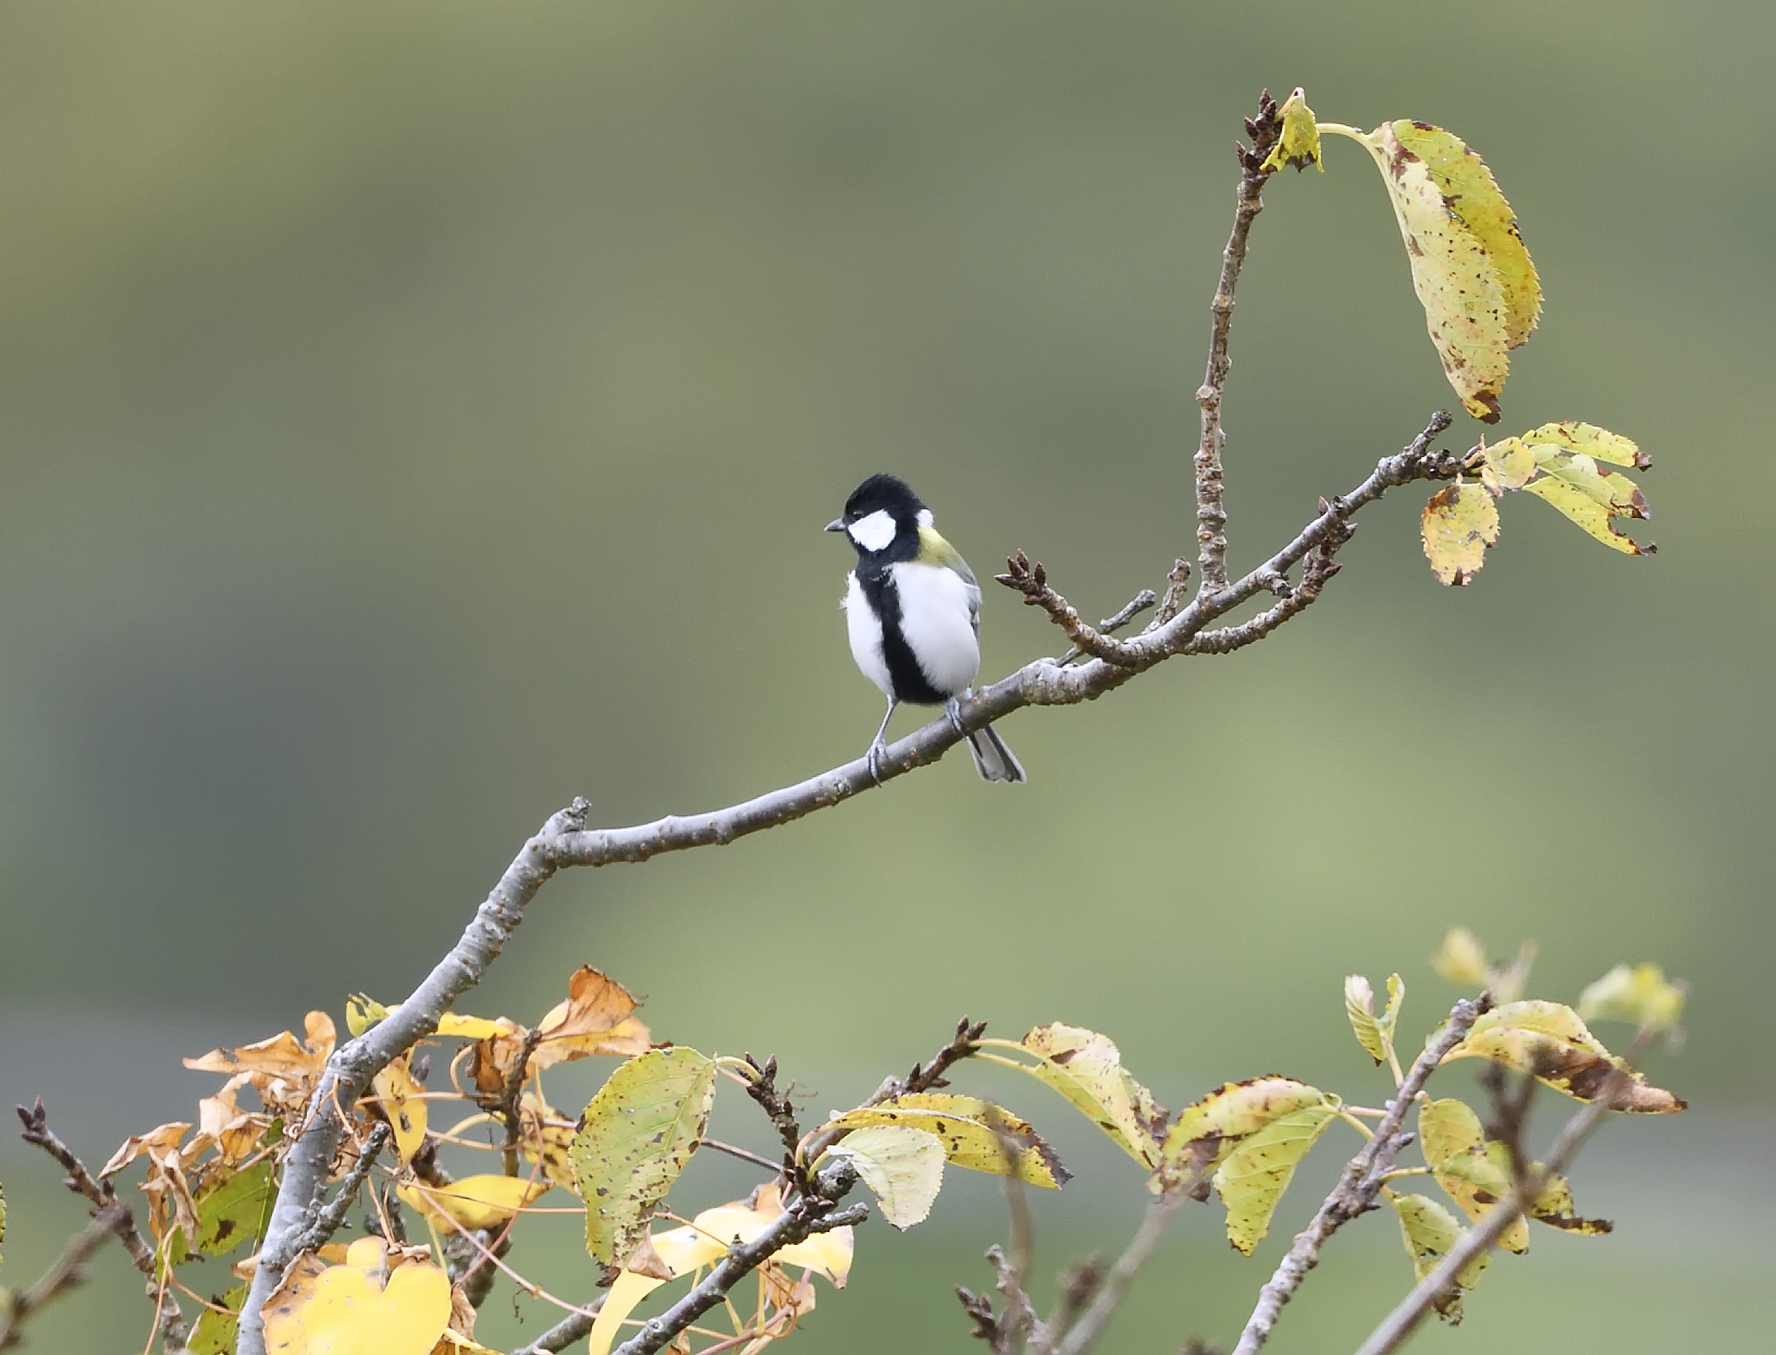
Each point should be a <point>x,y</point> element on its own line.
<point>879,510</point>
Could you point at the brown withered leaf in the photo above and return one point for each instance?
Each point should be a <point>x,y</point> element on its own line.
<point>235,1133</point>
<point>157,1140</point>
<point>596,1018</point>
<point>282,1069</point>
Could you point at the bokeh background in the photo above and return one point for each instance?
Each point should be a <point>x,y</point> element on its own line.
<point>414,415</point>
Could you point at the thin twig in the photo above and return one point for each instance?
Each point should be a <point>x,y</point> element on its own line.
<point>815,1212</point>
<point>1211,513</point>
<point>576,1326</point>
<point>1393,1331</point>
<point>1091,1323</point>
<point>171,1320</point>
<point>923,1077</point>
<point>67,1273</point>
<point>745,1155</point>
<point>1360,1183</point>
<point>327,1218</point>
<point>510,1094</point>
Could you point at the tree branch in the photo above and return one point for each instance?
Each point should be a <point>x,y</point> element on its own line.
<point>1211,515</point>
<point>574,1327</point>
<point>325,1219</point>
<point>814,1212</point>
<point>65,1274</point>
<point>1090,1325</point>
<point>1482,1236</point>
<point>1359,1185</point>
<point>173,1330</point>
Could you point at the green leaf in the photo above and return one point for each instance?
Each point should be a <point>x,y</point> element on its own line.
<point>1460,523</point>
<point>236,1209</point>
<point>215,1332</point>
<point>975,1134</point>
<point>362,1012</point>
<point>1299,144</point>
<point>1472,1172</point>
<point>1549,1040</point>
<point>1592,441</point>
<point>1640,994</point>
<point>1472,195</point>
<point>1461,959</point>
<point>1086,1068</point>
<point>1374,1033</point>
<point>902,1165</point>
<point>1253,1177</point>
<point>1611,489</point>
<point>634,1139</point>
<point>1429,1231</point>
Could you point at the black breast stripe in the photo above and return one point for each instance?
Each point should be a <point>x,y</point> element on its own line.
<point>910,682</point>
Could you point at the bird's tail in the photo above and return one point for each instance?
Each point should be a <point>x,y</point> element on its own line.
<point>993,757</point>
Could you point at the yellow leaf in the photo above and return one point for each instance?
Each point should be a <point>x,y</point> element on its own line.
<point>975,1134</point>
<point>1508,464</point>
<point>1461,959</point>
<point>1374,1033</point>
<point>1429,1231</point>
<point>1550,1041</point>
<point>1471,323</point>
<point>1613,490</point>
<point>1640,994</point>
<point>1554,1207</point>
<point>1592,441</point>
<point>343,1311</point>
<point>684,1249</point>
<point>549,1134</point>
<point>1253,1177</point>
<point>403,1103</point>
<point>473,1201</point>
<point>1209,1130</point>
<point>1473,195</point>
<point>282,1069</point>
<point>1460,522</point>
<point>625,1292</point>
<point>634,1139</point>
<point>1299,144</point>
<point>1592,517</point>
<point>471,1027</point>
<point>902,1165</point>
<point>1086,1068</point>
<point>1472,1172</point>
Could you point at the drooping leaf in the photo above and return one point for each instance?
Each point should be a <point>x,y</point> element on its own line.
<point>902,1165</point>
<point>1374,1033</point>
<point>1207,1131</point>
<point>975,1134</point>
<point>1592,441</point>
<point>1429,1231</point>
<point>282,1069</point>
<point>1472,195</point>
<point>1609,489</point>
<point>635,1137</point>
<point>216,1332</point>
<point>1086,1068</point>
<point>1554,1207</point>
<point>1461,959</point>
<point>1592,517</point>
<point>403,1103</point>
<point>1252,1178</point>
<point>548,1134</point>
<point>684,1249</point>
<point>472,1202</point>
<point>1639,994</point>
<point>1472,1172</point>
<point>1508,463</point>
<point>1299,144</point>
<point>236,1209</point>
<point>344,1311</point>
<point>1470,319</point>
<point>626,1291</point>
<point>1459,523</point>
<point>1549,1040</point>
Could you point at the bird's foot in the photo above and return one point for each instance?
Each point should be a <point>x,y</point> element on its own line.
<point>953,709</point>
<point>873,759</point>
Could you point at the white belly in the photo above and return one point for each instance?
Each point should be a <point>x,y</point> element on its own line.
<point>937,611</point>
<point>866,637</point>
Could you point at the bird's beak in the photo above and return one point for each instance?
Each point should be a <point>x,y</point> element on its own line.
<point>836,525</point>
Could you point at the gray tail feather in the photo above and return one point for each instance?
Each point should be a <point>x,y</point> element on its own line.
<point>993,757</point>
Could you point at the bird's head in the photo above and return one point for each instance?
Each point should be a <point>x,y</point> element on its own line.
<point>881,511</point>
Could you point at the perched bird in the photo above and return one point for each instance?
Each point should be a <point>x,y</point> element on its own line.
<point>913,610</point>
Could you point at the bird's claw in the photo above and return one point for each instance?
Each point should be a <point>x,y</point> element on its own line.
<point>953,709</point>
<point>873,760</point>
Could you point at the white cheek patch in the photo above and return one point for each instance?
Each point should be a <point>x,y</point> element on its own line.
<point>874,532</point>
<point>925,518</point>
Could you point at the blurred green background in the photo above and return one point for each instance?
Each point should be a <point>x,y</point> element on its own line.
<point>417,414</point>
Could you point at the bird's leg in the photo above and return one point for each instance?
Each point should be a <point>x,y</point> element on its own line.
<point>878,746</point>
<point>953,709</point>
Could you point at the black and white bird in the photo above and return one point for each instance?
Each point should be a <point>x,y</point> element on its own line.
<point>913,610</point>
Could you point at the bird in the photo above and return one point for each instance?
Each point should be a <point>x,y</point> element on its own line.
<point>912,608</point>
